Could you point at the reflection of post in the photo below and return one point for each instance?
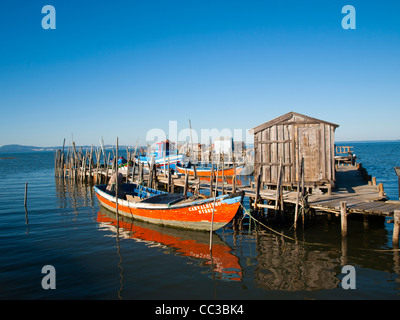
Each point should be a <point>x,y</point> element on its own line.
<point>343,216</point>
<point>396,228</point>
<point>26,220</point>
<point>343,258</point>
<point>396,262</point>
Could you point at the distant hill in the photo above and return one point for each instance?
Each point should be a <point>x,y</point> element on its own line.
<point>19,148</point>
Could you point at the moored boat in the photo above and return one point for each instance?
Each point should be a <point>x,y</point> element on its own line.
<point>163,154</point>
<point>171,209</point>
<point>207,171</point>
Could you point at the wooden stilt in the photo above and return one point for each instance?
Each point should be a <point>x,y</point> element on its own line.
<point>26,194</point>
<point>116,182</point>
<point>396,228</point>
<point>212,217</point>
<point>343,216</point>
<point>258,184</point>
<point>278,186</point>
<point>185,188</point>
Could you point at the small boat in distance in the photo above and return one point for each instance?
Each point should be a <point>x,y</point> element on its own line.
<point>171,209</point>
<point>206,171</point>
<point>164,154</point>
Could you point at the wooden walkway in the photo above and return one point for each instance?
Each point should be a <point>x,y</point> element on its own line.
<point>360,196</point>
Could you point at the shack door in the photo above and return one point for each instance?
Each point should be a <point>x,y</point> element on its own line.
<point>307,147</point>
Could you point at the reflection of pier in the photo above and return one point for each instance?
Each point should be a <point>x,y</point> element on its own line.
<point>74,195</point>
<point>191,244</point>
<point>288,266</point>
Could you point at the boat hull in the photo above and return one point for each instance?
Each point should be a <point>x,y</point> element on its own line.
<point>195,215</point>
<point>171,161</point>
<point>206,172</point>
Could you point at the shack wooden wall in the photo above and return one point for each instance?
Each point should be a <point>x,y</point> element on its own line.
<point>289,142</point>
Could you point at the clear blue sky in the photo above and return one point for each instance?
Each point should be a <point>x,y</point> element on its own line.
<point>120,68</point>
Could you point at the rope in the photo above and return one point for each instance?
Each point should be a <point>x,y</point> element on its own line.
<point>247,212</point>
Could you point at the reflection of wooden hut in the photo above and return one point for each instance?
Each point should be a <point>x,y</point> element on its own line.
<point>288,139</point>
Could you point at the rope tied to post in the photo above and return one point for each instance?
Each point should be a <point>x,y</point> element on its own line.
<point>247,212</point>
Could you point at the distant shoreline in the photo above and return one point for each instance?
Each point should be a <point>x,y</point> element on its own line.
<point>16,148</point>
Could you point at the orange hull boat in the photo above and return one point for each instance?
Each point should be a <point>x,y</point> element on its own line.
<point>172,209</point>
<point>206,172</point>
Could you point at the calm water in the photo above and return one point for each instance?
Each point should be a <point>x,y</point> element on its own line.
<point>64,227</point>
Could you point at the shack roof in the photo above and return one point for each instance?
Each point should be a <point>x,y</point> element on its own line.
<point>291,117</point>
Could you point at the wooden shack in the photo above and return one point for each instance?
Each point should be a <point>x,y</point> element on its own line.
<point>284,141</point>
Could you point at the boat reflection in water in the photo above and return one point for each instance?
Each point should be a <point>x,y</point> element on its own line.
<point>188,243</point>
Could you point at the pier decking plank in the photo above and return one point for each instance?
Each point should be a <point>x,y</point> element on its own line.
<point>360,196</point>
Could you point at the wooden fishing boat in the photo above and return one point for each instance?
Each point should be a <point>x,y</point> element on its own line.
<point>171,209</point>
<point>206,171</point>
<point>164,155</point>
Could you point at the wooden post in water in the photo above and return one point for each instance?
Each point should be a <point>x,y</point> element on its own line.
<point>258,185</point>
<point>234,174</point>
<point>141,176</point>
<point>128,156</point>
<point>381,192</point>
<point>185,188</point>
<point>303,192</point>
<point>215,197</point>
<point>296,210</point>
<point>26,194</point>
<point>397,170</point>
<point>116,183</point>
<point>134,162</point>
<point>90,163</point>
<point>396,228</point>
<point>223,173</point>
<point>343,217</point>
<point>278,185</point>
<point>168,176</point>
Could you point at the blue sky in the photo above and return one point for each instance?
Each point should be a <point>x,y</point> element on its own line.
<point>121,68</point>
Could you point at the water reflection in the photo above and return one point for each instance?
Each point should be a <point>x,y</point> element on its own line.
<point>284,265</point>
<point>187,243</point>
<point>74,195</point>
<point>266,260</point>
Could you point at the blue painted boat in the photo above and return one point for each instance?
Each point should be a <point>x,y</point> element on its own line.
<point>162,154</point>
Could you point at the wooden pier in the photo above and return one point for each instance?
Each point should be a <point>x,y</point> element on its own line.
<point>352,186</point>
<point>360,196</point>
<point>354,191</point>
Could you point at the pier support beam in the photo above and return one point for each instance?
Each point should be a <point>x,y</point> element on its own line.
<point>396,228</point>
<point>343,217</point>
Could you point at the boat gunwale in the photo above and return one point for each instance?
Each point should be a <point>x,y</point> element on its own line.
<point>163,206</point>
<point>208,170</point>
